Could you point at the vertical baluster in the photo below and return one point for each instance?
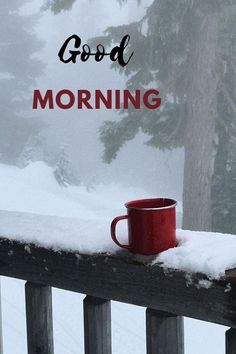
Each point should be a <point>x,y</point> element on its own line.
<point>164,333</point>
<point>97,326</point>
<point>1,338</point>
<point>231,341</point>
<point>39,319</point>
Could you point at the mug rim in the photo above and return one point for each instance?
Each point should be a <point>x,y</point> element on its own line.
<point>172,205</point>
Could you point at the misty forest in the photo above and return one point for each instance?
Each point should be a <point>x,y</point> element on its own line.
<point>186,49</point>
<point>87,163</point>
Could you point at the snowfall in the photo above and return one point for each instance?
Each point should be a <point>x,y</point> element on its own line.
<point>34,208</point>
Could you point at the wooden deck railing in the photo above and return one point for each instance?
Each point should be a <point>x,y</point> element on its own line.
<point>167,295</point>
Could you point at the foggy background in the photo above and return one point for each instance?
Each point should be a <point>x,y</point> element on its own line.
<point>184,150</point>
<point>159,173</point>
<point>192,45</point>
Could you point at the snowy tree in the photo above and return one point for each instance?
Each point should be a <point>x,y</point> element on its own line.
<point>33,150</point>
<point>18,71</point>
<point>58,5</point>
<point>224,181</point>
<point>183,47</point>
<point>63,171</point>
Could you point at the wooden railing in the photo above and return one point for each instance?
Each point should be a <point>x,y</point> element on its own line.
<point>167,295</point>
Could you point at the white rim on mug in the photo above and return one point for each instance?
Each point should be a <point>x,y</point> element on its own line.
<point>174,203</point>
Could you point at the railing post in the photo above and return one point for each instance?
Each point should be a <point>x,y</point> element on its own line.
<point>38,300</point>
<point>1,337</point>
<point>164,333</point>
<point>231,341</point>
<point>97,325</point>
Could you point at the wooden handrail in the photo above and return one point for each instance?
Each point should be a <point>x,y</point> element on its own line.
<point>167,294</point>
<point>122,278</point>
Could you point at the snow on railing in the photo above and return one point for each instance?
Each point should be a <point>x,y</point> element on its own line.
<point>167,294</point>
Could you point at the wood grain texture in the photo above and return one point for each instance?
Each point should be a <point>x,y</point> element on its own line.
<point>1,331</point>
<point>231,341</point>
<point>230,274</point>
<point>164,333</point>
<point>97,325</point>
<point>38,299</point>
<point>122,277</point>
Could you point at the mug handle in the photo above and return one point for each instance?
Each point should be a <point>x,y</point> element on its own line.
<point>113,231</point>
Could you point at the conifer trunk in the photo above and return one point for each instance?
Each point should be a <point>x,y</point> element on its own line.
<point>200,125</point>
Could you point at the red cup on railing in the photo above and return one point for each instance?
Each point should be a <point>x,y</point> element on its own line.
<point>151,225</point>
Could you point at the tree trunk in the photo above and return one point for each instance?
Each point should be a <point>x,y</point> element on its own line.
<point>200,125</point>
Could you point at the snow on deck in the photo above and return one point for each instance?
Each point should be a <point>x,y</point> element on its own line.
<point>208,253</point>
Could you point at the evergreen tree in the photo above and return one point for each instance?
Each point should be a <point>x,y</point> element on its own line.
<point>224,186</point>
<point>58,5</point>
<point>63,171</point>
<point>187,49</point>
<point>33,150</point>
<point>17,75</point>
<point>183,47</point>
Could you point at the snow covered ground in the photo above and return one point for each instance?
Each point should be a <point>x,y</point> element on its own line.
<point>34,190</point>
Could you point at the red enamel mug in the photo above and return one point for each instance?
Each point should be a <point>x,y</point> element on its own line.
<point>151,225</point>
